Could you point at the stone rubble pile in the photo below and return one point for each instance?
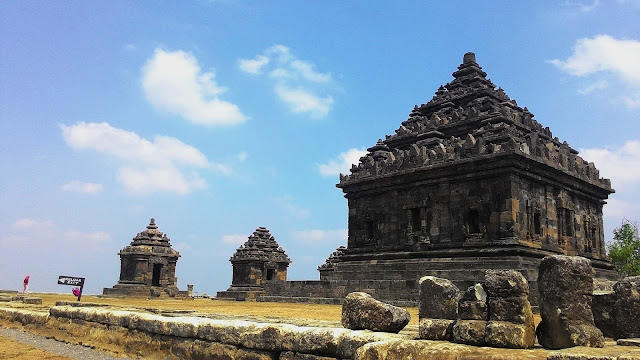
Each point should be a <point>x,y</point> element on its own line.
<point>496,313</point>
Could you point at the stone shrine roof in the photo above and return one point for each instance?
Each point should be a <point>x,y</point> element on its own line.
<point>151,241</point>
<point>469,118</point>
<point>151,236</point>
<point>261,246</point>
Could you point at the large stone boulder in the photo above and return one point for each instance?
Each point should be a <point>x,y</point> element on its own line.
<point>438,309</point>
<point>627,307</point>
<point>565,284</point>
<point>602,305</point>
<point>510,316</point>
<point>438,298</point>
<point>361,311</point>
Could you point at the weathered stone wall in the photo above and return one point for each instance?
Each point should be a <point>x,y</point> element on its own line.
<point>143,335</point>
<point>156,336</point>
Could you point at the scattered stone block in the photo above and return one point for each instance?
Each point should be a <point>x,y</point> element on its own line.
<point>438,298</point>
<point>473,304</point>
<point>471,332</point>
<point>438,309</point>
<point>512,309</point>
<point>602,305</point>
<point>505,283</point>
<point>627,307</point>
<point>32,300</point>
<point>510,316</point>
<point>509,335</point>
<point>361,311</point>
<point>565,284</point>
<point>628,342</point>
<point>436,329</point>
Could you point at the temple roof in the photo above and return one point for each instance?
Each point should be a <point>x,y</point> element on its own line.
<point>469,118</point>
<point>261,246</point>
<point>152,242</point>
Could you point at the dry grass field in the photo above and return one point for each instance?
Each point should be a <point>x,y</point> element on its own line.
<point>267,310</point>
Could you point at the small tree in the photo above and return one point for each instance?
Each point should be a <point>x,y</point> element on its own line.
<point>625,249</point>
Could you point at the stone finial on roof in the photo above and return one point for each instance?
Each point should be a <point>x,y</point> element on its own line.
<point>151,236</point>
<point>469,57</point>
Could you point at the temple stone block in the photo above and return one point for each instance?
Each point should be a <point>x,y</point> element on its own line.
<point>510,317</point>
<point>566,287</point>
<point>627,307</point>
<point>438,309</point>
<point>147,266</point>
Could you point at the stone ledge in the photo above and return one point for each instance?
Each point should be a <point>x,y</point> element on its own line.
<point>125,331</point>
<point>334,342</point>
<point>23,316</point>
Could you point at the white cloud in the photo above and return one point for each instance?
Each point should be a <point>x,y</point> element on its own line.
<point>342,163</point>
<point>603,53</point>
<point>287,204</point>
<point>182,247</point>
<point>296,82</point>
<point>621,164</point>
<point>29,224</point>
<point>307,70</point>
<point>235,239</point>
<point>606,58</point>
<point>82,187</point>
<point>45,232</point>
<point>301,101</point>
<point>93,238</point>
<point>598,85</point>
<point>174,82</point>
<point>322,237</point>
<point>146,181</point>
<point>253,66</point>
<point>242,156</point>
<point>584,7</point>
<point>164,164</point>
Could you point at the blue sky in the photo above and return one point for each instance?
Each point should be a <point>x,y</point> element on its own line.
<point>217,117</point>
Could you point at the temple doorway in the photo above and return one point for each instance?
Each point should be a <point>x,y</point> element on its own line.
<point>157,270</point>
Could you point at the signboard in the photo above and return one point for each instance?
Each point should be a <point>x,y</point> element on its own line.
<point>73,281</point>
<point>70,280</point>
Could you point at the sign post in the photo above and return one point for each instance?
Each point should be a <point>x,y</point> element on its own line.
<point>72,281</point>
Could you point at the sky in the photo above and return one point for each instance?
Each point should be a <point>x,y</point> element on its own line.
<point>217,117</point>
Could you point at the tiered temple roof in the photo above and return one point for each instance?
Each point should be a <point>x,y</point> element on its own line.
<point>151,239</point>
<point>468,119</point>
<point>261,246</point>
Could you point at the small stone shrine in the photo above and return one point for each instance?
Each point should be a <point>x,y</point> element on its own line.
<point>469,182</point>
<point>258,261</point>
<point>147,266</point>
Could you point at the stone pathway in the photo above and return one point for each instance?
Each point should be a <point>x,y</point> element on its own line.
<point>78,352</point>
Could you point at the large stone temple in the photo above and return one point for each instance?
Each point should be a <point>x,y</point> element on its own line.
<point>147,266</point>
<point>469,182</point>
<point>258,261</point>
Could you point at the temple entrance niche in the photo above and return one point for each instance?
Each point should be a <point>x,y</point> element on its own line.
<point>157,269</point>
